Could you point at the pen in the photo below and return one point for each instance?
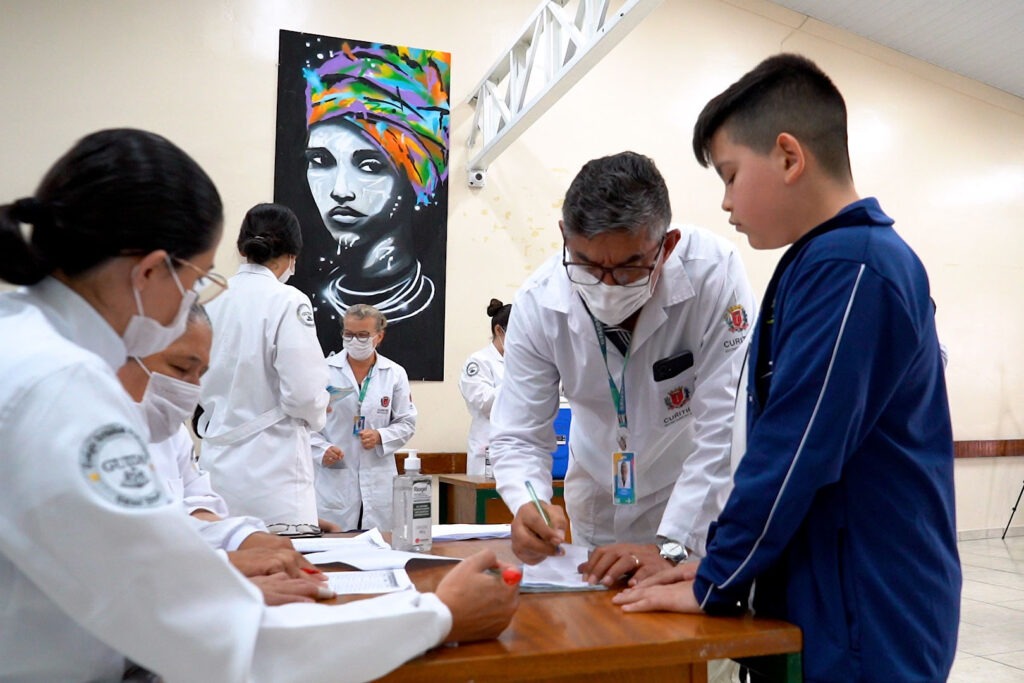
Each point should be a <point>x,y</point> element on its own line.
<point>510,575</point>
<point>536,501</point>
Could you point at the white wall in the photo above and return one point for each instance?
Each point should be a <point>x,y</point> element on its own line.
<point>944,154</point>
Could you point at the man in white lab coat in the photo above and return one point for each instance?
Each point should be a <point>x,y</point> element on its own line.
<point>642,323</point>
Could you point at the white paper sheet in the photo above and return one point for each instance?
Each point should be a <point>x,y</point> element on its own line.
<point>462,532</point>
<point>371,538</point>
<point>558,573</point>
<point>368,557</point>
<point>365,583</point>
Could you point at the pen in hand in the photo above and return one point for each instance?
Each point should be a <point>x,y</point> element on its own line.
<point>536,502</point>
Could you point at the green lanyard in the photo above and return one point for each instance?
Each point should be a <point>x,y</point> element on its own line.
<point>618,395</point>
<point>363,388</point>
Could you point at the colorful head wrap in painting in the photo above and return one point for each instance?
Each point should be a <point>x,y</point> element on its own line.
<point>396,95</point>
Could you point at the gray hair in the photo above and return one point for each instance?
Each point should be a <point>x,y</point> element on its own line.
<point>363,311</point>
<point>619,193</point>
<point>197,315</point>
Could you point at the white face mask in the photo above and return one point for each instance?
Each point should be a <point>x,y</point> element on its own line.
<point>359,349</point>
<point>145,336</point>
<point>611,304</point>
<point>288,272</point>
<point>167,403</point>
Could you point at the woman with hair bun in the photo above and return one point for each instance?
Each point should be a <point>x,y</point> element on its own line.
<point>481,378</point>
<point>267,384</point>
<point>97,566</point>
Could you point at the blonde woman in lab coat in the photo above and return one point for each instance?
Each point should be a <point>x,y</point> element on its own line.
<point>266,387</point>
<point>372,415</point>
<point>481,377</point>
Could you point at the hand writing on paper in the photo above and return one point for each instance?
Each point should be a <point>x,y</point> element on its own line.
<point>609,563</point>
<point>532,538</point>
<point>481,603</point>
<point>261,561</point>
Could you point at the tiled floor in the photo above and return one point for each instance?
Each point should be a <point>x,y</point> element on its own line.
<point>991,644</point>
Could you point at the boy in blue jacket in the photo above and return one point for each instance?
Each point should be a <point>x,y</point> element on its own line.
<point>842,516</point>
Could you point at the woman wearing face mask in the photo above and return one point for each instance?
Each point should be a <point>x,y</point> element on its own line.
<point>265,390</point>
<point>372,416</point>
<point>95,562</point>
<point>481,378</point>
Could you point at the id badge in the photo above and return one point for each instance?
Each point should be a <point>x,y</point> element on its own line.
<point>625,483</point>
<point>358,424</point>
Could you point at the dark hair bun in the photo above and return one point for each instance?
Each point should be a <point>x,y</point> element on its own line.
<point>494,307</point>
<point>256,248</point>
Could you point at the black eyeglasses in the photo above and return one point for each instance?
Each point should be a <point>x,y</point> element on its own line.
<point>361,336</point>
<point>624,276</point>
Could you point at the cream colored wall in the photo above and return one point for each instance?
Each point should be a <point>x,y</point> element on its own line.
<point>944,154</point>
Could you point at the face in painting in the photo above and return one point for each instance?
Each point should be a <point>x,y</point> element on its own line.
<point>754,191</point>
<point>352,181</point>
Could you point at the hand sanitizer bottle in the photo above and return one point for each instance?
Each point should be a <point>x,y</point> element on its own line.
<point>411,513</point>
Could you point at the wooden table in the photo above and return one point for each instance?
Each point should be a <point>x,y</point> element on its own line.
<point>562,637</point>
<point>473,499</point>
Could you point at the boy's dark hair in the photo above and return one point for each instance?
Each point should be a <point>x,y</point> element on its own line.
<point>619,193</point>
<point>786,93</point>
<point>268,231</point>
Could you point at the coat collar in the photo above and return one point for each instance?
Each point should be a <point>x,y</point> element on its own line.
<point>76,320</point>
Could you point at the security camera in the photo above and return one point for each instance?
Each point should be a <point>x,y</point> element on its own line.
<point>477,177</point>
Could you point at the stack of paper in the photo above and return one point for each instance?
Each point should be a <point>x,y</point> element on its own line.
<point>463,532</point>
<point>558,573</point>
<point>365,583</point>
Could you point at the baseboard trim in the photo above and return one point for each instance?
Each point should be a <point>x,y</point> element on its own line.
<point>979,534</point>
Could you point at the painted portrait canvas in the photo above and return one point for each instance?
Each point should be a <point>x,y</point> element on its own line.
<point>362,159</point>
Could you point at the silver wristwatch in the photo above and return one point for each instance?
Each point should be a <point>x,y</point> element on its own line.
<point>673,551</point>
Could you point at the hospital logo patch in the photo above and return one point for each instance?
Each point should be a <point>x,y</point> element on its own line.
<point>736,318</point>
<point>385,401</point>
<point>305,314</point>
<point>116,465</point>
<point>472,369</point>
<point>677,398</point>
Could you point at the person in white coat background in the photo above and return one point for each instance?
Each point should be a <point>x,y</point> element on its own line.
<point>96,563</point>
<point>481,378</point>
<point>372,415</point>
<point>641,322</point>
<point>267,384</point>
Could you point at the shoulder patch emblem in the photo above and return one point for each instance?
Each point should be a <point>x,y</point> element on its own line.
<point>116,464</point>
<point>472,369</point>
<point>305,314</point>
<point>736,318</point>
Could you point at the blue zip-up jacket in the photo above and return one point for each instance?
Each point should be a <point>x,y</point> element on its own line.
<point>842,516</point>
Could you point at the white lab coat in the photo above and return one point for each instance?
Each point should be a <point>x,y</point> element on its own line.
<point>96,564</point>
<point>189,486</point>
<point>679,427</point>
<point>481,378</point>
<point>364,477</point>
<point>264,392</point>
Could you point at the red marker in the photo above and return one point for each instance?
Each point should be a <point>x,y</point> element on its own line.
<point>511,576</point>
<point>310,570</point>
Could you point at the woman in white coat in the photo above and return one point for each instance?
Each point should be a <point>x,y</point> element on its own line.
<point>96,563</point>
<point>266,387</point>
<point>372,415</point>
<point>481,378</point>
